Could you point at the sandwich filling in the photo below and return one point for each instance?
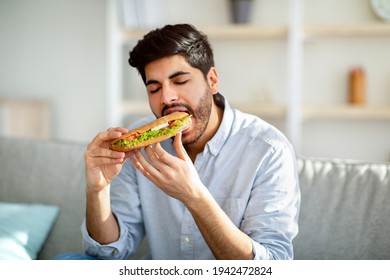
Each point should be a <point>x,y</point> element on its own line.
<point>169,128</point>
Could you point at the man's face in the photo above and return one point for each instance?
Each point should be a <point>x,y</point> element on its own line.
<point>174,85</point>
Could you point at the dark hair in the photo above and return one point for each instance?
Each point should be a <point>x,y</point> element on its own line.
<point>181,39</point>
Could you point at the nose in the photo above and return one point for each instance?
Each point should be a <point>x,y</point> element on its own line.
<point>168,95</point>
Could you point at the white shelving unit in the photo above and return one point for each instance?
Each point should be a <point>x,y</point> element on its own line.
<point>295,34</point>
<point>120,37</point>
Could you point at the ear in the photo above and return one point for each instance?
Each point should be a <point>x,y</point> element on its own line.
<point>212,79</point>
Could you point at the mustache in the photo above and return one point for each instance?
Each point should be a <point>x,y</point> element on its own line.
<point>178,104</point>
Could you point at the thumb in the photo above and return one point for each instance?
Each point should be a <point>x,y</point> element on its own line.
<point>179,148</point>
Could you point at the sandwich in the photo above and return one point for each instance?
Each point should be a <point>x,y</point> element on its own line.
<point>151,133</point>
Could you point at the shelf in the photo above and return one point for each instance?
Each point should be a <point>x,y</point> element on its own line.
<point>232,31</point>
<point>346,112</point>
<point>242,31</point>
<point>347,30</point>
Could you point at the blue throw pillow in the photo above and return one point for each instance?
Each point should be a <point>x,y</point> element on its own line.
<point>24,229</point>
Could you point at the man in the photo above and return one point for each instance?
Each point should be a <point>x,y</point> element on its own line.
<point>225,188</point>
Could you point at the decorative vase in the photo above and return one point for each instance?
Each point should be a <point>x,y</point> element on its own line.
<point>241,10</point>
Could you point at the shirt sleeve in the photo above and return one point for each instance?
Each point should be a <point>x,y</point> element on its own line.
<point>113,251</point>
<point>271,218</point>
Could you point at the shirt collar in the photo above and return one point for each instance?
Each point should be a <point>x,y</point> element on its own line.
<point>221,136</point>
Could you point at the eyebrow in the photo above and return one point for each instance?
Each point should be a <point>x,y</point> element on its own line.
<point>178,73</point>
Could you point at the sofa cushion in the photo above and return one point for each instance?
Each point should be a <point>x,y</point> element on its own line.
<point>24,229</point>
<point>48,172</point>
<point>345,210</point>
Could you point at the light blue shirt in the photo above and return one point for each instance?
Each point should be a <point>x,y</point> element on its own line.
<point>248,166</point>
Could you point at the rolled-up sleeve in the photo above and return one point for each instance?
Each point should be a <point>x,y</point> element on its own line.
<point>271,218</point>
<point>115,250</point>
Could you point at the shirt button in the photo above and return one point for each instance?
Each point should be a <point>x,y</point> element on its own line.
<point>186,240</point>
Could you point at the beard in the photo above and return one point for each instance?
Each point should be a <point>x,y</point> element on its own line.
<point>200,117</point>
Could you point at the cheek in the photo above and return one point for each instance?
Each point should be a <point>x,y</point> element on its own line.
<point>155,105</point>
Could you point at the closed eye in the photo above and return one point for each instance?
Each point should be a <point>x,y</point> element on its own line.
<point>155,90</point>
<point>181,82</point>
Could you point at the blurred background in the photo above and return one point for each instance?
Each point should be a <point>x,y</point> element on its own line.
<point>317,70</point>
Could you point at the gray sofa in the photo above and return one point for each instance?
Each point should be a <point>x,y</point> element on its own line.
<point>344,214</point>
<point>345,210</point>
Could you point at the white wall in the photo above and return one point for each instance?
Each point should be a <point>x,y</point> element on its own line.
<point>56,50</point>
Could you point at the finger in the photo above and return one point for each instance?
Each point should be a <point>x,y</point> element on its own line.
<point>179,148</point>
<point>99,161</point>
<point>129,154</point>
<point>164,156</point>
<point>120,129</point>
<point>93,160</point>
<point>104,152</point>
<point>144,165</point>
<point>101,156</point>
<point>152,156</point>
<point>112,133</point>
<point>137,164</point>
<point>103,137</point>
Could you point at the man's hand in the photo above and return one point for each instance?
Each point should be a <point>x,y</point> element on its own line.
<point>176,176</point>
<point>103,164</point>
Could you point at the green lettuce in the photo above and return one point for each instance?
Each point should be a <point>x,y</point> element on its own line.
<point>150,134</point>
